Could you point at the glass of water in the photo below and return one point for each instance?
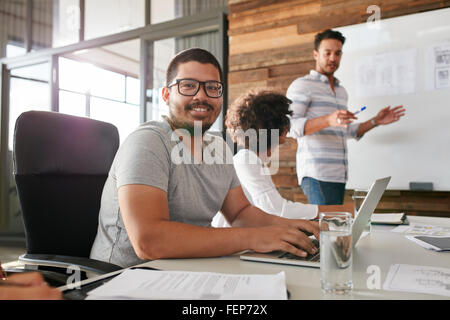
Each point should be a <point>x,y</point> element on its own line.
<point>336,252</point>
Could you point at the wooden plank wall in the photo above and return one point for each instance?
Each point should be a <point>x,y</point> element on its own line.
<point>270,45</point>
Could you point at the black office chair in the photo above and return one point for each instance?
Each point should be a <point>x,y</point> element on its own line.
<point>61,163</point>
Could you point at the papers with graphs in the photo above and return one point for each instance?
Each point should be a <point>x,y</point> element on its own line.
<point>418,229</point>
<point>151,284</point>
<point>422,279</point>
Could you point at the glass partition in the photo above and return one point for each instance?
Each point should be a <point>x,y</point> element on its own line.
<point>106,78</point>
<point>166,10</point>
<point>41,24</point>
<point>29,90</point>
<point>12,28</point>
<point>14,50</point>
<point>111,92</point>
<point>67,22</point>
<point>104,17</point>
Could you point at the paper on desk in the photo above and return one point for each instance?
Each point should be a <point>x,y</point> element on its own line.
<point>422,230</point>
<point>421,279</point>
<point>152,284</point>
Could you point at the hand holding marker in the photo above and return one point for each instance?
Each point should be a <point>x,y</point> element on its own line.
<point>344,116</point>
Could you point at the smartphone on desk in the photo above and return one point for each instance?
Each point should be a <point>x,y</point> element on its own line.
<point>435,243</point>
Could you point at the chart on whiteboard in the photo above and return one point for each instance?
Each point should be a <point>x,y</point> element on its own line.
<point>438,66</point>
<point>386,74</point>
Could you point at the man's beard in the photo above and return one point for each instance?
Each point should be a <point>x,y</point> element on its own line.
<point>190,127</point>
<point>329,73</point>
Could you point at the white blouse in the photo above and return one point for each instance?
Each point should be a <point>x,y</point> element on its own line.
<point>261,192</point>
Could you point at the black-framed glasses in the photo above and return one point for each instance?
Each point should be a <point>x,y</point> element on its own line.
<point>190,87</point>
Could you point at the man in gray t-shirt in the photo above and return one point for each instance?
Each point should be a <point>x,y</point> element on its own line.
<point>167,182</point>
<point>196,191</point>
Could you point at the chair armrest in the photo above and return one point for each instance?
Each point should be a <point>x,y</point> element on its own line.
<point>85,264</point>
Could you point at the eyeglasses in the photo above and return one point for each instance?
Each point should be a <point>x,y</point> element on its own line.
<point>190,87</point>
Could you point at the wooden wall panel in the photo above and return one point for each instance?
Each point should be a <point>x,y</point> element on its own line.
<point>235,90</point>
<point>242,8</point>
<point>248,75</point>
<point>271,44</point>
<point>271,57</point>
<point>268,39</point>
<point>286,15</point>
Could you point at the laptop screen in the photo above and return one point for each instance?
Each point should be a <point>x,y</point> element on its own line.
<point>368,207</point>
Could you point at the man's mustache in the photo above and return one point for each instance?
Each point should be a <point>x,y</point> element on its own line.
<point>197,104</point>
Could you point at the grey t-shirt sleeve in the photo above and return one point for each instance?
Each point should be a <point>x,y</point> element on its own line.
<point>143,158</point>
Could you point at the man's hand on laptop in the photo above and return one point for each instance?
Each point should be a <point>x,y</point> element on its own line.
<point>310,227</point>
<point>291,237</point>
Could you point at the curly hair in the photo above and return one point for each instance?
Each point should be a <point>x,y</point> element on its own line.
<point>258,109</point>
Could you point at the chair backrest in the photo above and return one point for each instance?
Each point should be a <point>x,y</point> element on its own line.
<point>61,163</point>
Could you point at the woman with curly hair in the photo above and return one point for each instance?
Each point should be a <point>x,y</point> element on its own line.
<point>258,122</point>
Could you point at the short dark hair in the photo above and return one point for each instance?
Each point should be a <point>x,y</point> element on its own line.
<point>328,34</point>
<point>256,109</point>
<point>192,54</point>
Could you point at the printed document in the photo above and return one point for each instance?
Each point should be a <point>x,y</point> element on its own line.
<point>422,279</point>
<point>417,229</point>
<point>389,73</point>
<point>154,284</point>
<point>437,66</point>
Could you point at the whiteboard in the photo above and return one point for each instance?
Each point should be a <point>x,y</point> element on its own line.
<point>406,60</point>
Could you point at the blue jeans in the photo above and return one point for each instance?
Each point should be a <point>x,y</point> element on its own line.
<point>323,193</point>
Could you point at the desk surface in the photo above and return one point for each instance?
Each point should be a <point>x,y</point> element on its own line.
<point>381,248</point>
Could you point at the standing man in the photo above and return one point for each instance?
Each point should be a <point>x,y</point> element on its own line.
<point>155,206</point>
<point>321,123</point>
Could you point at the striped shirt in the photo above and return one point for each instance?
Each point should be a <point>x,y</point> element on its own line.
<point>323,154</point>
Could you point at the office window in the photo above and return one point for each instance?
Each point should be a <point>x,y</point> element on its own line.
<point>67,22</point>
<point>29,90</point>
<point>107,84</point>
<point>133,90</point>
<point>41,24</point>
<point>103,84</point>
<point>36,98</point>
<point>32,80</point>
<point>123,115</point>
<point>17,26</point>
<point>38,72</point>
<point>72,103</point>
<point>73,75</point>
<point>104,17</point>
<point>12,26</point>
<point>14,50</point>
<point>166,10</point>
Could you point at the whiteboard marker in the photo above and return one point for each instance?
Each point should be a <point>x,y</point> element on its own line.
<point>362,109</point>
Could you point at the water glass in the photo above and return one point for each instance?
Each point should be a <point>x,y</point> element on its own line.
<point>336,252</point>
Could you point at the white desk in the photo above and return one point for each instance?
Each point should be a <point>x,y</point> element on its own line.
<point>381,247</point>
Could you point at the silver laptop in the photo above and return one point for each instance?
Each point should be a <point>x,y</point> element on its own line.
<point>362,219</point>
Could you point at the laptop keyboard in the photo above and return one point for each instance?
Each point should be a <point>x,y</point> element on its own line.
<point>309,257</point>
